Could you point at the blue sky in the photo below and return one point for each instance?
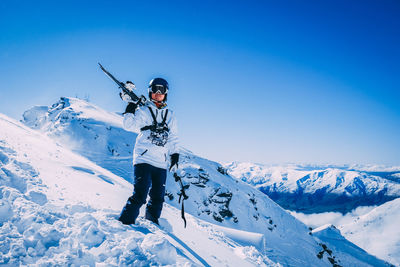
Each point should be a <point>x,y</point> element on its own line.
<point>260,81</point>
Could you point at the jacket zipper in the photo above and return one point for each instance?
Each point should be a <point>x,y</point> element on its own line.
<point>143,153</point>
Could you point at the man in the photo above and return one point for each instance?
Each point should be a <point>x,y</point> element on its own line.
<point>156,147</point>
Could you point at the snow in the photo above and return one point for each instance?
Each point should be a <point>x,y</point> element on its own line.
<point>79,125</point>
<point>54,214</point>
<point>5,211</point>
<point>377,231</point>
<point>60,207</point>
<point>330,234</point>
<point>156,246</point>
<point>248,239</point>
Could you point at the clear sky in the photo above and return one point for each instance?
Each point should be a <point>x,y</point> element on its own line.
<point>260,81</point>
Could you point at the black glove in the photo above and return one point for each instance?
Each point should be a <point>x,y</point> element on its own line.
<point>131,108</point>
<point>174,160</point>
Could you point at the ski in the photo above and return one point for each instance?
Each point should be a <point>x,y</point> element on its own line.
<point>140,100</point>
<point>182,196</point>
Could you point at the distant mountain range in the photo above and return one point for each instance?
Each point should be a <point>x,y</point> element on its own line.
<point>315,189</point>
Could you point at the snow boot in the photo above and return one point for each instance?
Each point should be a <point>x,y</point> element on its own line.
<point>129,213</point>
<point>151,218</point>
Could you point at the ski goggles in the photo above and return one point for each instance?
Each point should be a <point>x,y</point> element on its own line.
<point>159,89</point>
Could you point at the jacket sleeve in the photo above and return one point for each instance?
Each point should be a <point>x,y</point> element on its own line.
<point>134,122</point>
<point>173,136</point>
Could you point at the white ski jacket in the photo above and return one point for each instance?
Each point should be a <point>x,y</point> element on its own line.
<point>153,147</point>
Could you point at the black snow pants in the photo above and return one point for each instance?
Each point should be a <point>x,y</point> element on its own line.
<point>145,175</point>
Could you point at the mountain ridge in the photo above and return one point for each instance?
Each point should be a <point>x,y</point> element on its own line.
<point>315,189</point>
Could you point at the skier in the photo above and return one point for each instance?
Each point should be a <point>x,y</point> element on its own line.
<point>156,147</point>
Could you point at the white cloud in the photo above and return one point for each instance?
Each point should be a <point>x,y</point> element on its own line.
<point>336,218</point>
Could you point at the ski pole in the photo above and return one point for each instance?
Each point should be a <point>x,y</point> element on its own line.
<point>182,194</point>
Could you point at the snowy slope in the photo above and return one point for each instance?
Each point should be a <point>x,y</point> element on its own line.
<point>378,231</point>
<point>215,197</point>
<point>311,189</point>
<point>58,208</point>
<point>329,234</point>
<point>81,126</point>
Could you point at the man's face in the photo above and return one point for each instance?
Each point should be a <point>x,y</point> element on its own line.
<point>157,97</point>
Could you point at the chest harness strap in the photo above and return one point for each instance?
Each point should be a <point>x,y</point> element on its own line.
<point>157,127</point>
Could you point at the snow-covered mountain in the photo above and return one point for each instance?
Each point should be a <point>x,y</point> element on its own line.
<point>310,189</point>
<point>377,231</point>
<point>88,131</point>
<point>229,222</point>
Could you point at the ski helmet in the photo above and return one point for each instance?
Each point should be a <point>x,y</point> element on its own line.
<point>160,86</point>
